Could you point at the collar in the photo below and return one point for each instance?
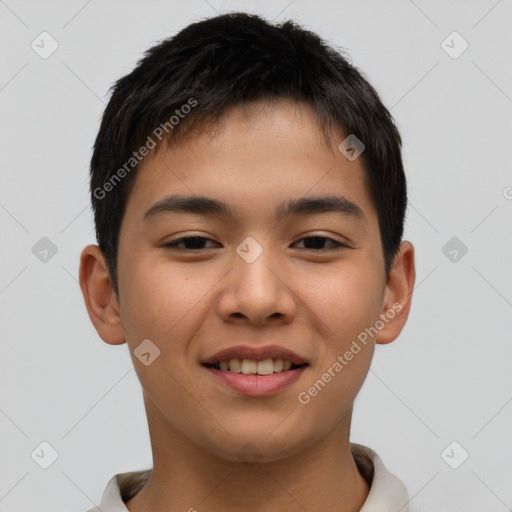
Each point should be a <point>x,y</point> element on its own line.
<point>387,492</point>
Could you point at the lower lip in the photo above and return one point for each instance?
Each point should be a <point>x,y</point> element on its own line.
<point>257,385</point>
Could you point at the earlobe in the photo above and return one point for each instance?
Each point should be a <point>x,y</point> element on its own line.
<point>397,295</point>
<point>100,301</point>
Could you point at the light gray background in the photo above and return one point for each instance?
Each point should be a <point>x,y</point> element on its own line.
<point>446,378</point>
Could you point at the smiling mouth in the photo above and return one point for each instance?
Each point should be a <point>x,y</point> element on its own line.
<point>253,367</point>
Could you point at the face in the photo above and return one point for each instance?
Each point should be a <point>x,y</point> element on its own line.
<point>304,281</point>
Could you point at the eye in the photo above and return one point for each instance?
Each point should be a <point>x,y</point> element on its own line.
<point>317,242</point>
<point>194,242</point>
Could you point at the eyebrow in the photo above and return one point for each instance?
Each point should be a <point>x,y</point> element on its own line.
<point>208,206</point>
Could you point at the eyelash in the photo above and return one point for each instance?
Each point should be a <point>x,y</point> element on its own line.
<point>175,243</point>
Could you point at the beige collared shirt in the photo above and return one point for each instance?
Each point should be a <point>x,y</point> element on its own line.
<point>387,492</point>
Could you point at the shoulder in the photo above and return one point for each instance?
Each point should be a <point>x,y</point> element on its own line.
<point>387,492</point>
<point>121,488</point>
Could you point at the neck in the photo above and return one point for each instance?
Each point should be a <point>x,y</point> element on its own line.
<point>187,477</point>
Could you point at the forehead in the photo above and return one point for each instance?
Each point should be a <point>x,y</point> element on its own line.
<point>258,158</point>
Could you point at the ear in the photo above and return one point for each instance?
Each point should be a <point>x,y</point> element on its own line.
<point>100,299</point>
<point>397,294</point>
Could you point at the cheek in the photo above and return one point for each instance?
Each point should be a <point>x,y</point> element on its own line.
<point>162,303</point>
<point>344,306</point>
<point>345,303</point>
<point>158,297</point>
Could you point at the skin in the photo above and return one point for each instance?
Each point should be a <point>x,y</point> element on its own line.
<point>312,301</point>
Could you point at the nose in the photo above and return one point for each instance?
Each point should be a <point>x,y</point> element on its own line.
<point>257,292</point>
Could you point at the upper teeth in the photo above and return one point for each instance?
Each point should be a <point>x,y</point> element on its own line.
<point>251,367</point>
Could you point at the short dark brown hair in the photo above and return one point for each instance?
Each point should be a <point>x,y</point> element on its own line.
<point>227,60</point>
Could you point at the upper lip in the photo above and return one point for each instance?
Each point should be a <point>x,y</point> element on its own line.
<point>255,353</point>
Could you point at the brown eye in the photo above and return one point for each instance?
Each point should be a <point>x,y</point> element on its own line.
<point>318,242</point>
<point>193,243</point>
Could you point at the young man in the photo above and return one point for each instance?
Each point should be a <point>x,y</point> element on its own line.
<point>249,201</point>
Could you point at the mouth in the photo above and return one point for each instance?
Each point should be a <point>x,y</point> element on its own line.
<point>247,380</point>
<point>263,367</point>
<point>256,371</point>
<point>251,360</point>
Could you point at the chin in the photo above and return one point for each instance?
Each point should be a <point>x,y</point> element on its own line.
<point>256,445</point>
